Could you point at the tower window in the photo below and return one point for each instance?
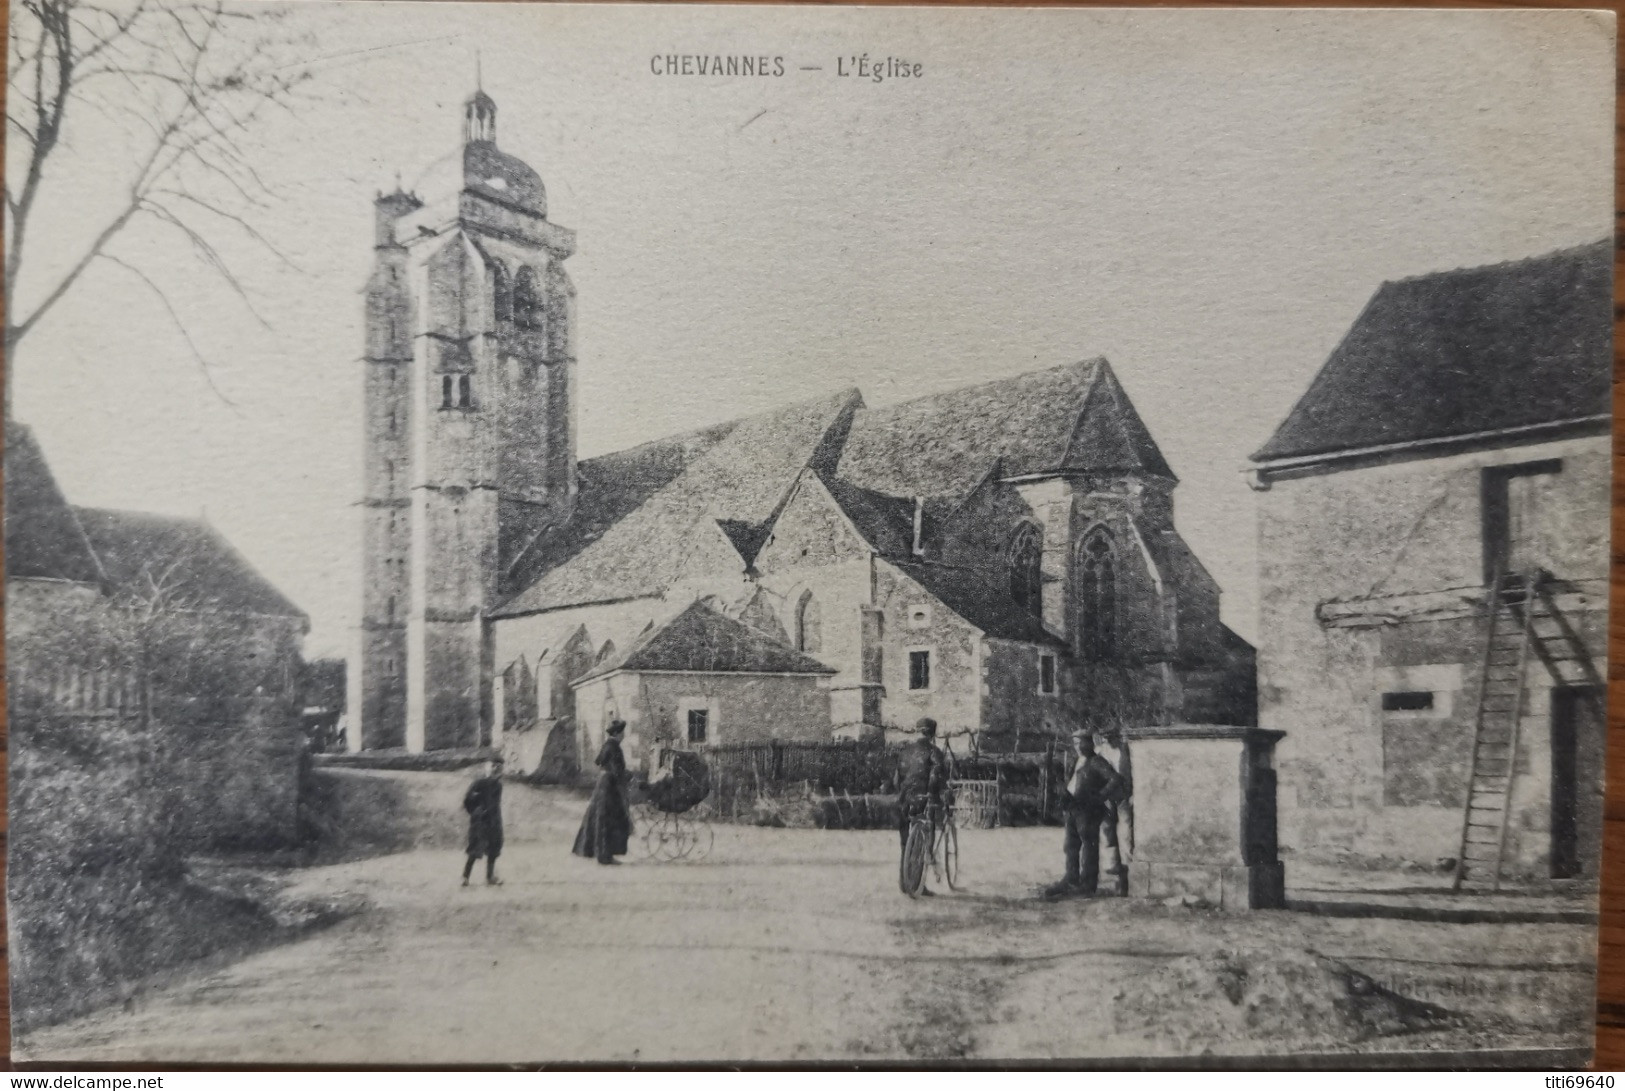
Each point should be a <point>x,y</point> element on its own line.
<point>392,608</point>
<point>448,388</point>
<point>502,294</point>
<point>465,387</point>
<point>527,300</point>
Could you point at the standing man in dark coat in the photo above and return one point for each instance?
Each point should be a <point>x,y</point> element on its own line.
<point>922,779</point>
<point>483,802</point>
<point>1091,789</point>
<point>608,823</point>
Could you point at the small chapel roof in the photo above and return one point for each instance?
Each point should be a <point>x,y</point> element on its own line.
<point>186,559</point>
<point>701,640</point>
<point>1073,417</point>
<point>44,540</point>
<point>1464,352</point>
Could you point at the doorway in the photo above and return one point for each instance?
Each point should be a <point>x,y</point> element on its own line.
<point>1515,523</point>
<point>1578,728</point>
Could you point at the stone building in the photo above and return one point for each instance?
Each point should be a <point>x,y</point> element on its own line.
<point>1455,442</point>
<point>1001,557</point>
<point>154,626</point>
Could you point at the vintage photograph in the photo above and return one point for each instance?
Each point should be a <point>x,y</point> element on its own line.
<point>636,534</point>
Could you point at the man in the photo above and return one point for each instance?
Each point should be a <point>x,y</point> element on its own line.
<point>1091,788</point>
<point>923,779</point>
<point>1118,828</point>
<point>483,802</point>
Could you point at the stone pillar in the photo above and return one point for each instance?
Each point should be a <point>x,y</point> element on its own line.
<point>1204,815</point>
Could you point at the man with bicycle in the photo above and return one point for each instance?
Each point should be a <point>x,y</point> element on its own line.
<point>923,781</point>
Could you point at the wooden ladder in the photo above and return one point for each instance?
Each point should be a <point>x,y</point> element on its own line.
<point>1495,733</point>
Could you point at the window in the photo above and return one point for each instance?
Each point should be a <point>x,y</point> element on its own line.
<point>392,420</point>
<point>919,670</point>
<point>699,724</point>
<point>501,293</point>
<point>1511,498</point>
<point>919,617</point>
<point>1026,564</point>
<point>1407,701</point>
<point>809,624</point>
<point>465,392</point>
<point>392,608</point>
<point>527,301</point>
<point>1046,674</point>
<point>447,391</point>
<point>1097,598</point>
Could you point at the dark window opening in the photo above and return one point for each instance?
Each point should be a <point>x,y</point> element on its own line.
<point>392,608</point>
<point>919,670</point>
<point>809,625</point>
<point>447,391</point>
<point>1407,701</point>
<point>502,294</point>
<point>1097,579</point>
<point>699,723</point>
<point>465,392</point>
<point>1046,674</point>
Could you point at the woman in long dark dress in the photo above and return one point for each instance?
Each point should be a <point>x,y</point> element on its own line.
<point>608,823</point>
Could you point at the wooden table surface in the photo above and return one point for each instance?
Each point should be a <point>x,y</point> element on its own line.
<point>1611,976</point>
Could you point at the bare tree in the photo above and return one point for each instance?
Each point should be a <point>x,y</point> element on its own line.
<point>189,81</point>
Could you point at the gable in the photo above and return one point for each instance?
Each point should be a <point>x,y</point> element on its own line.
<point>1110,437</point>
<point>812,530</point>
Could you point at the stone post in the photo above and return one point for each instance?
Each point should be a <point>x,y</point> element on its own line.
<point>1204,816</point>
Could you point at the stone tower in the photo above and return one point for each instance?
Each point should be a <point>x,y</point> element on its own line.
<point>469,431</point>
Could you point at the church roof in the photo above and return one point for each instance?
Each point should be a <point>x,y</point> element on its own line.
<point>642,511</point>
<point>1073,417</point>
<point>44,540</point>
<point>1467,351</point>
<point>186,558</point>
<point>967,593</point>
<point>700,639</point>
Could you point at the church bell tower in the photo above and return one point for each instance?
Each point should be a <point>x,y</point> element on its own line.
<point>469,432</point>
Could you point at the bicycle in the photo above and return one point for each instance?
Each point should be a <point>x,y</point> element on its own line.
<point>933,837</point>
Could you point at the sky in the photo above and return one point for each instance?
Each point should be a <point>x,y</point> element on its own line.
<point>1206,198</point>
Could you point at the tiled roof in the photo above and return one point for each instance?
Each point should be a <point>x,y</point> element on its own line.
<point>886,522</point>
<point>185,558</point>
<point>1468,351</point>
<point>967,592</point>
<point>633,543</point>
<point>43,537</point>
<point>701,639</point>
<point>1070,417</point>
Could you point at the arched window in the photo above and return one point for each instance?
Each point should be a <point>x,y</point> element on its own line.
<point>809,624</point>
<point>1097,598</point>
<point>465,392</point>
<point>605,653</point>
<point>1026,569</point>
<point>501,293</point>
<point>527,301</point>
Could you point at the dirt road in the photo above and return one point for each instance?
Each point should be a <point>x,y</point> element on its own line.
<point>783,945</point>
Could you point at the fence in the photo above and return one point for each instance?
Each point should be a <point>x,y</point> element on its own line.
<point>836,780</point>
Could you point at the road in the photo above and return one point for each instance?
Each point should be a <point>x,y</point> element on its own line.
<point>782,945</point>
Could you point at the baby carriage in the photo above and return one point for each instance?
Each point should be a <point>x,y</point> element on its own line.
<point>675,824</point>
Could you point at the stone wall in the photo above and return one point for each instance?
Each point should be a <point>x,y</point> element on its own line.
<point>1372,582</point>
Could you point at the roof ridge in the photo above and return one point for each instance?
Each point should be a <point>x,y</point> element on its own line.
<point>1506,264</point>
<point>844,394</point>
<point>1093,362</point>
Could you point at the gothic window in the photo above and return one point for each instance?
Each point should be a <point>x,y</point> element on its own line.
<point>809,624</point>
<point>1097,598</point>
<point>527,301</point>
<point>465,392</point>
<point>501,293</point>
<point>605,653</point>
<point>1026,564</point>
<point>448,395</point>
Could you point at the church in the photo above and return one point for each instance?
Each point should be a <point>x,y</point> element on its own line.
<point>1000,557</point>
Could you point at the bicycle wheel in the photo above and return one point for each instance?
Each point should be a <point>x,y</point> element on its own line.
<point>911,872</point>
<point>948,851</point>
